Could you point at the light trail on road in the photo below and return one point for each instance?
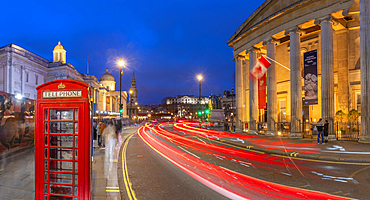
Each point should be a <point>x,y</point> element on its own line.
<point>231,183</point>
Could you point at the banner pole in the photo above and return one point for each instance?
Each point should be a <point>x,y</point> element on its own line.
<point>276,62</point>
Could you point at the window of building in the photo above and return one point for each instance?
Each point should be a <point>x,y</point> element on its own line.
<point>37,79</point>
<point>358,102</point>
<point>283,110</point>
<point>27,77</point>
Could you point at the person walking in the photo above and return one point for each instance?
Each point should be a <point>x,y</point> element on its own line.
<point>326,128</point>
<point>320,129</point>
<point>109,135</point>
<point>102,127</point>
<point>98,131</point>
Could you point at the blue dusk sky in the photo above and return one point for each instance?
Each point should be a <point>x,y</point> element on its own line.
<point>167,43</point>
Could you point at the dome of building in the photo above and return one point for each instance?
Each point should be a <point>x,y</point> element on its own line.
<point>107,77</point>
<point>59,46</point>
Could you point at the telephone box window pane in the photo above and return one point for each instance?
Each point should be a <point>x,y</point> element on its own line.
<point>61,127</point>
<point>63,154</point>
<point>46,165</point>
<point>76,179</point>
<point>46,127</point>
<point>76,114</point>
<point>59,198</point>
<point>61,166</point>
<point>46,140</point>
<point>60,178</point>
<point>61,114</point>
<point>76,166</point>
<point>76,154</point>
<point>76,191</point>
<point>46,114</point>
<point>45,197</point>
<point>61,140</point>
<point>46,153</point>
<point>46,177</point>
<point>76,128</point>
<point>45,188</point>
<point>61,189</point>
<point>76,141</point>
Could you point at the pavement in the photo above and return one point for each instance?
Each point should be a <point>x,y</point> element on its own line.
<point>17,173</point>
<point>106,172</point>
<point>308,148</point>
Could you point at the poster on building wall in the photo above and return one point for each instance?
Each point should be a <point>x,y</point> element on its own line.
<point>262,92</point>
<point>310,78</point>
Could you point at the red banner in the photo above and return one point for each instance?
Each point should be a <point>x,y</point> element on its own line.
<point>262,92</point>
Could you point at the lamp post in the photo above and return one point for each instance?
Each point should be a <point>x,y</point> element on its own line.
<point>131,104</point>
<point>120,63</point>
<point>232,109</point>
<point>200,87</point>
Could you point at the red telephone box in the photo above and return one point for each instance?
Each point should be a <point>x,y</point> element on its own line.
<point>63,141</point>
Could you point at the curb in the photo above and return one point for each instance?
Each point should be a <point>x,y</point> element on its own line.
<point>119,169</point>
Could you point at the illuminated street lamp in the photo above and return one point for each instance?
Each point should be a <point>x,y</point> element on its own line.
<point>200,77</point>
<point>121,63</point>
<point>200,84</point>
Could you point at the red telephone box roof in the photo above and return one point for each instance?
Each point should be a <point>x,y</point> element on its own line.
<point>63,81</point>
<point>62,89</point>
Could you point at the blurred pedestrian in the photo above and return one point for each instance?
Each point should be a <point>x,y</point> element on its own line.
<point>109,135</point>
<point>326,128</point>
<point>99,133</point>
<point>320,129</point>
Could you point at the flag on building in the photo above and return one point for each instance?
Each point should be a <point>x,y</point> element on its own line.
<point>260,68</point>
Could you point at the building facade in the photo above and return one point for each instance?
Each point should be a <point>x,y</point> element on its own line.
<point>228,104</point>
<point>185,106</point>
<point>21,71</point>
<point>284,31</point>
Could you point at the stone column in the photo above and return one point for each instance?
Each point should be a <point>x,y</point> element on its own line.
<point>111,103</point>
<point>271,87</point>
<point>365,70</point>
<point>239,90</point>
<point>253,91</point>
<point>246,91</point>
<point>104,102</point>
<point>23,74</point>
<point>327,72</point>
<point>10,75</point>
<point>343,70</point>
<point>295,83</point>
<point>97,99</point>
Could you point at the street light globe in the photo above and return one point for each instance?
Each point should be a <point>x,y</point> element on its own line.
<point>121,63</point>
<point>130,91</point>
<point>200,77</point>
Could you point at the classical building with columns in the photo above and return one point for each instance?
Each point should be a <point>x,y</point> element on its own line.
<point>284,31</point>
<point>21,71</point>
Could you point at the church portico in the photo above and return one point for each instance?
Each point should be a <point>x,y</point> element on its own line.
<point>316,70</point>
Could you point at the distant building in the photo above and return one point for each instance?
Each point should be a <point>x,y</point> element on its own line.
<point>21,71</point>
<point>227,102</point>
<point>185,106</point>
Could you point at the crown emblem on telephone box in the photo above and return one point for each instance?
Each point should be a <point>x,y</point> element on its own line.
<point>61,86</point>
